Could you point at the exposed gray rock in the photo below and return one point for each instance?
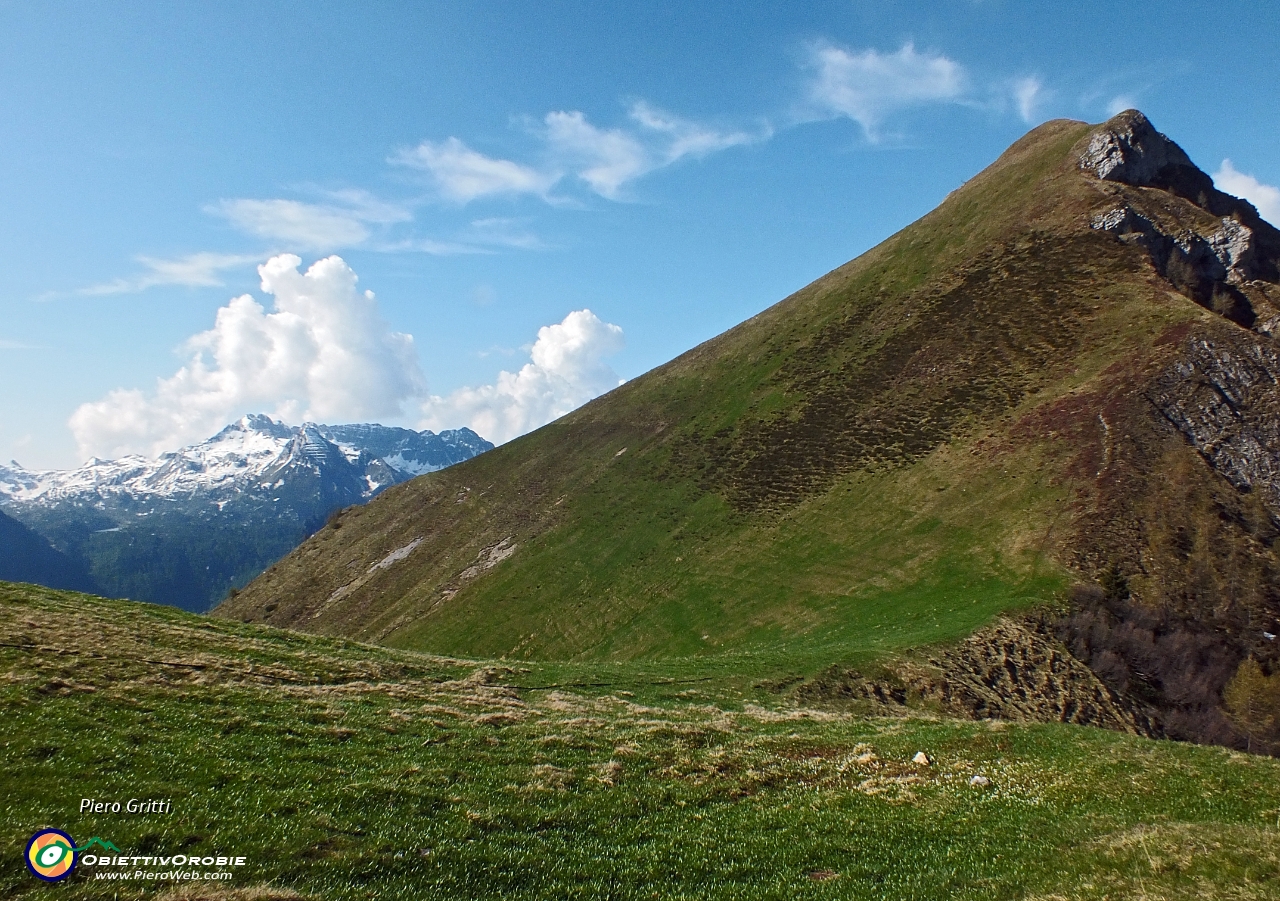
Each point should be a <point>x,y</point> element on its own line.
<point>1233,245</point>
<point>1224,397</point>
<point>1207,268</point>
<point>1130,150</point>
<point>1127,150</point>
<point>1226,254</point>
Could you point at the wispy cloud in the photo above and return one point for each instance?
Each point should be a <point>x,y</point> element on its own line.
<point>1121,102</point>
<point>462,174</point>
<point>868,86</point>
<point>17,345</point>
<point>606,160</point>
<point>197,270</point>
<point>688,138</point>
<point>1027,94</point>
<point>360,204</point>
<point>294,224</point>
<point>429,246</point>
<point>503,232</point>
<point>1265,197</point>
<point>572,153</point>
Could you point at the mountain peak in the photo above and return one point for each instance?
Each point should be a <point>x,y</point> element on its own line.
<point>1129,149</point>
<point>257,422</point>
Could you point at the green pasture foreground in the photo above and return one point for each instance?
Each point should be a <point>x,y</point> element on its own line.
<point>342,771</point>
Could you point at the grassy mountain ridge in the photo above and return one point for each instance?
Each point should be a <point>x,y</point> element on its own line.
<point>698,424</point>
<point>966,419</point>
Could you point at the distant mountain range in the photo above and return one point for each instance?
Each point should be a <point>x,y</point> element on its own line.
<point>189,526</point>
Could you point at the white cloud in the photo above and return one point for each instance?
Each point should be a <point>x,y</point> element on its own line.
<point>365,207</point>
<point>1265,197</point>
<point>1027,93</point>
<point>1119,104</point>
<point>868,86</point>
<point>607,159</point>
<point>604,159</point>
<point>503,232</point>
<point>198,270</point>
<point>297,225</point>
<point>323,353</point>
<point>691,138</point>
<point>566,370</point>
<point>429,246</point>
<point>463,174</point>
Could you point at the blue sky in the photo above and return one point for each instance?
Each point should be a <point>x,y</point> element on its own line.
<point>490,171</point>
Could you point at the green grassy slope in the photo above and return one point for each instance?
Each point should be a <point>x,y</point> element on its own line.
<point>345,771</point>
<point>846,470</point>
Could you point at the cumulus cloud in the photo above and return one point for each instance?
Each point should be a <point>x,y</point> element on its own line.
<point>1265,197</point>
<point>323,353</point>
<point>868,86</point>
<point>566,370</point>
<point>462,174</point>
<point>198,270</point>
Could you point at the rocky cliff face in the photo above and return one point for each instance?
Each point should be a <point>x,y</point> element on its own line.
<point>1223,396</point>
<point>1182,544</point>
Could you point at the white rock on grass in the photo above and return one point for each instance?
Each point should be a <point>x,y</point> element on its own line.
<point>921,758</point>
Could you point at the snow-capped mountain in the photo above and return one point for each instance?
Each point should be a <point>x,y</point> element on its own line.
<point>249,455</point>
<point>187,526</point>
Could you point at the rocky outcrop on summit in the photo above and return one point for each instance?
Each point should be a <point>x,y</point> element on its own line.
<point>1212,250</point>
<point>1130,150</point>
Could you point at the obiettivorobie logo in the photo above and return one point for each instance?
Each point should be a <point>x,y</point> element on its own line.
<point>51,853</point>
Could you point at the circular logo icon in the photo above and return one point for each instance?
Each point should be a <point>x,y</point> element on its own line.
<point>51,855</point>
